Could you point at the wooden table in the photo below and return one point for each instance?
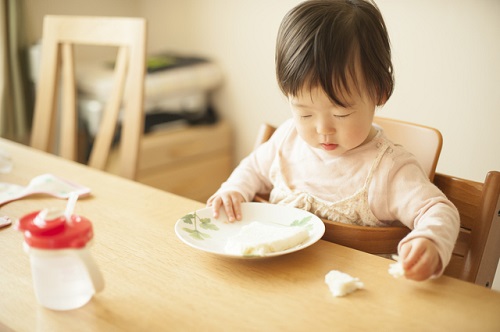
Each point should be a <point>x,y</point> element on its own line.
<point>154,282</point>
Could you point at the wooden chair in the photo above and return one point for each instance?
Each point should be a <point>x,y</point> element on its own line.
<point>60,34</point>
<point>477,251</point>
<point>424,142</point>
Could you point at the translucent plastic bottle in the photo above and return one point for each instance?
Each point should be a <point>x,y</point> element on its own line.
<point>65,276</point>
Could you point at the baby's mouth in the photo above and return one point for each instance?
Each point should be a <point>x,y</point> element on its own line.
<point>329,146</point>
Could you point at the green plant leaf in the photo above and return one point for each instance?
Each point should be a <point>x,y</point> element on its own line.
<point>209,226</point>
<point>188,218</point>
<point>302,222</point>
<point>200,236</point>
<point>205,220</point>
<point>197,235</point>
<point>205,223</point>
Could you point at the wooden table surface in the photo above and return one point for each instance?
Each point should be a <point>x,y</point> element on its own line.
<point>154,282</point>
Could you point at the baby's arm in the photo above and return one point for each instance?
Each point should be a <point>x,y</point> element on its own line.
<point>231,200</point>
<point>241,186</point>
<point>409,197</point>
<point>250,177</point>
<point>420,259</point>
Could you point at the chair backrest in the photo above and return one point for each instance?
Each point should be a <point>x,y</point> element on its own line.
<point>60,34</point>
<point>424,142</point>
<point>477,251</point>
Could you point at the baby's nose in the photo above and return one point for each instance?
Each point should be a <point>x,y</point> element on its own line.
<point>325,128</point>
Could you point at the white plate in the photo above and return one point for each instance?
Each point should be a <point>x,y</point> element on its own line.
<point>200,230</point>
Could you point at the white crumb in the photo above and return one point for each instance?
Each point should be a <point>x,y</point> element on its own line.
<point>341,283</point>
<point>396,269</point>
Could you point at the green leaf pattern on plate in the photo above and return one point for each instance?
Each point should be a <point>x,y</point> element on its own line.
<point>303,223</point>
<point>204,223</point>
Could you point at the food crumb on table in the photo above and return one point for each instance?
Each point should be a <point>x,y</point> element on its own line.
<point>341,283</point>
<point>396,269</point>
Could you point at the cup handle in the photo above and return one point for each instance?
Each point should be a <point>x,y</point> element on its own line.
<point>92,269</point>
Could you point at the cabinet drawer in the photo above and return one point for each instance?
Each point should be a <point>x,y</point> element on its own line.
<point>179,145</point>
<point>190,161</point>
<point>197,180</point>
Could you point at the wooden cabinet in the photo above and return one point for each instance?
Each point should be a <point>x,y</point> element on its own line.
<point>191,162</point>
<point>188,161</point>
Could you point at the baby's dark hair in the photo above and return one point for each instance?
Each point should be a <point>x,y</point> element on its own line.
<point>321,43</point>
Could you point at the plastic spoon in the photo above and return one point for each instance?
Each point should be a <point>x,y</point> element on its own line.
<point>48,184</point>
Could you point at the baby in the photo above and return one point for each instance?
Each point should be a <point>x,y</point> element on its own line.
<point>333,63</point>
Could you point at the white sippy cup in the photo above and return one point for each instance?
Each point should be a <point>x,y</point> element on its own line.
<point>64,274</point>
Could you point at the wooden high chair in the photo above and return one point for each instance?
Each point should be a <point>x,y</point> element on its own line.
<point>60,34</point>
<point>477,251</point>
<point>423,142</point>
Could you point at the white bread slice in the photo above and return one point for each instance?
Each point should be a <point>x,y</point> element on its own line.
<point>258,238</point>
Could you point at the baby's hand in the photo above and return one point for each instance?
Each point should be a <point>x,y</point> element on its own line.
<point>231,201</point>
<point>420,259</point>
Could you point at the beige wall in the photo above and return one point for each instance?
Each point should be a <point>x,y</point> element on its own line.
<point>35,10</point>
<point>446,57</point>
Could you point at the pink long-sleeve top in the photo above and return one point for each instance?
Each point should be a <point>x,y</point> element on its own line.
<point>375,184</point>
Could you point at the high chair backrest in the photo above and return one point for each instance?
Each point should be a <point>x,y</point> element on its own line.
<point>477,251</point>
<point>423,142</point>
<point>60,34</point>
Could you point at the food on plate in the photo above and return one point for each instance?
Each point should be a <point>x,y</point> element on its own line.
<point>259,238</point>
<point>341,283</point>
<point>396,269</point>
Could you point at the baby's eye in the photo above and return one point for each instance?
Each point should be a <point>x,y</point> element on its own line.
<point>305,116</point>
<point>341,116</point>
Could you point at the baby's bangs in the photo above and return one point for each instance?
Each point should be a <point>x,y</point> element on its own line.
<point>337,69</point>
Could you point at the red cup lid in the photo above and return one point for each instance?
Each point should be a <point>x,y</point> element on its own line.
<point>49,229</point>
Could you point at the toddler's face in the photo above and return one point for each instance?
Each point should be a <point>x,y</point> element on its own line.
<point>330,127</point>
